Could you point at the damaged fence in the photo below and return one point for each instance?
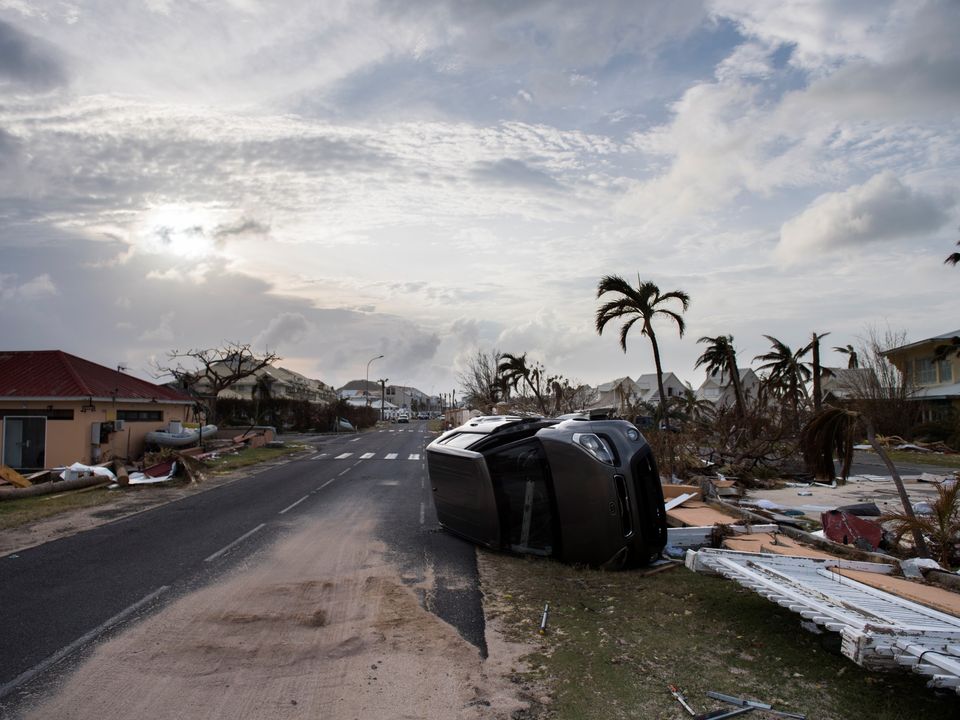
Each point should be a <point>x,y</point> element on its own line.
<point>879,630</point>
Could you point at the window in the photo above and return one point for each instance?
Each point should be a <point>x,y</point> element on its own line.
<point>140,415</point>
<point>945,370</point>
<point>924,371</point>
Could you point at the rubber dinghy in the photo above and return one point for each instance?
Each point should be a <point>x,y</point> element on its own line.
<point>184,438</point>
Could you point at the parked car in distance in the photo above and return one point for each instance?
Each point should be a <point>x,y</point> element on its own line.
<point>579,489</point>
<point>403,416</point>
<point>423,416</point>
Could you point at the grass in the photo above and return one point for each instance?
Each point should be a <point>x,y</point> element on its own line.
<point>934,459</point>
<point>249,456</point>
<point>615,641</point>
<point>22,511</point>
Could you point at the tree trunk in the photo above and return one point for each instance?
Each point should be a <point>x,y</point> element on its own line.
<point>918,540</point>
<point>656,362</point>
<point>737,387</point>
<point>817,399</point>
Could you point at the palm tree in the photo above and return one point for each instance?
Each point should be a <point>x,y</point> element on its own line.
<point>642,303</point>
<point>837,429</point>
<point>695,409</point>
<point>953,258</point>
<point>513,369</point>
<point>786,374</point>
<point>853,361</point>
<point>721,358</point>
<point>941,527</point>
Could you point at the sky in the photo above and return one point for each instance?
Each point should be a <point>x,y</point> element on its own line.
<point>337,180</point>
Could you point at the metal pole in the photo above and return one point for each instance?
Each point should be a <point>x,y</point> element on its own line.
<point>366,382</point>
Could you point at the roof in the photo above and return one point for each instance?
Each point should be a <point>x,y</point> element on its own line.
<point>936,338</point>
<point>56,374</point>
<point>937,392</point>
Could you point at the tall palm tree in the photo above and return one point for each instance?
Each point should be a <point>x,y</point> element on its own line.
<point>721,359</point>
<point>786,374</point>
<point>642,303</point>
<point>853,361</point>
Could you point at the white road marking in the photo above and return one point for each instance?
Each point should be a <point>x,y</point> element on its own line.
<point>390,483</point>
<point>343,456</point>
<point>79,642</point>
<point>366,456</point>
<point>355,439</point>
<point>422,510</point>
<point>326,483</point>
<point>291,507</point>
<point>345,472</point>
<point>391,456</point>
<point>239,540</point>
<point>321,455</point>
<point>414,456</point>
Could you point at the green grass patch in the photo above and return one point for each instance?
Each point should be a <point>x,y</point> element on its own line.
<point>615,641</point>
<point>905,456</point>
<point>250,456</point>
<point>22,511</point>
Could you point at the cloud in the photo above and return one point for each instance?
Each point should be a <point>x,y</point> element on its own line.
<point>35,288</point>
<point>244,226</point>
<point>162,334</point>
<point>28,62</point>
<point>510,171</point>
<point>285,329</point>
<point>883,208</point>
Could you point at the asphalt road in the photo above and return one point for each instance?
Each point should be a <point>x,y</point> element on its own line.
<point>60,598</point>
<point>869,463</point>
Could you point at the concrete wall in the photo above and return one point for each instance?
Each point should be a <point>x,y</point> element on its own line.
<point>69,441</point>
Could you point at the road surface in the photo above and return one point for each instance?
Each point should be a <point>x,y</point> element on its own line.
<point>236,598</point>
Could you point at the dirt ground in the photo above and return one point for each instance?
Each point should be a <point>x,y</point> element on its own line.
<point>320,626</point>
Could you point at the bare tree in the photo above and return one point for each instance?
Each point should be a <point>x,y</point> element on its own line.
<point>213,370</point>
<point>481,383</point>
<point>881,391</point>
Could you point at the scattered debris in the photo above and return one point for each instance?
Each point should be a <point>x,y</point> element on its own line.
<point>880,629</point>
<point>848,529</point>
<point>13,477</point>
<point>753,704</point>
<point>675,691</point>
<point>543,620</point>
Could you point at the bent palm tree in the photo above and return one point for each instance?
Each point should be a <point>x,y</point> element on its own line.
<point>953,258</point>
<point>853,361</point>
<point>642,303</point>
<point>721,359</point>
<point>836,429</point>
<point>786,374</point>
<point>513,370</point>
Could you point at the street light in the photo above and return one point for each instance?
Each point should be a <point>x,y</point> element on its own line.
<point>366,383</point>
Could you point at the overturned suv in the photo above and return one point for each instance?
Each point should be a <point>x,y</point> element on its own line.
<point>581,490</point>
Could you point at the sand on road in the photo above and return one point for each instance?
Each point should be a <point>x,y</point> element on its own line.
<point>319,626</point>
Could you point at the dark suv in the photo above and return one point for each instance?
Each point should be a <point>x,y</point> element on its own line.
<point>584,491</point>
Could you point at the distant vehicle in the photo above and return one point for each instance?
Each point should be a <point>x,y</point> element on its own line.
<point>581,490</point>
<point>423,416</point>
<point>403,416</point>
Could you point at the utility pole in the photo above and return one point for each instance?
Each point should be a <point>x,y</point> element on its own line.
<point>383,395</point>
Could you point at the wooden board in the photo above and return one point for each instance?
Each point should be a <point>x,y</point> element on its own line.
<point>766,542</point>
<point>932,597</point>
<point>13,477</point>
<point>695,513</point>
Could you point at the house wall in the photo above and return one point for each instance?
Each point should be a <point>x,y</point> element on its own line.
<point>69,441</point>
<point>920,369</point>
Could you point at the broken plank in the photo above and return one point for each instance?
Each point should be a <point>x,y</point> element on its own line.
<point>13,477</point>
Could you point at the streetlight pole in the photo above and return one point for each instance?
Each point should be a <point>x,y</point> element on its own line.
<point>366,382</point>
<point>383,394</point>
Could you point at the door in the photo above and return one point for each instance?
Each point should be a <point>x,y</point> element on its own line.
<point>24,442</point>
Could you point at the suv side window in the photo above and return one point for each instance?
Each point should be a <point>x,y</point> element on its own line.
<point>521,482</point>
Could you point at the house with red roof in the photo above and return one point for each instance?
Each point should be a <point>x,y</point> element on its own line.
<point>57,409</point>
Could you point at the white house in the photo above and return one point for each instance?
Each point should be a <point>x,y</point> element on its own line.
<point>719,390</point>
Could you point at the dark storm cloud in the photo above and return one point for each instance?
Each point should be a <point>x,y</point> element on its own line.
<point>28,61</point>
<point>513,172</point>
<point>244,226</point>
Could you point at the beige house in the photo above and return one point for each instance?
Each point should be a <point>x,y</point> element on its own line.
<point>58,409</point>
<point>933,377</point>
<point>282,383</point>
